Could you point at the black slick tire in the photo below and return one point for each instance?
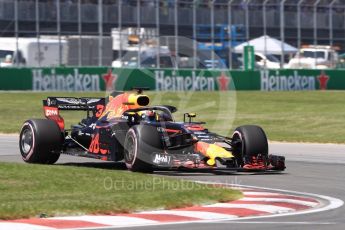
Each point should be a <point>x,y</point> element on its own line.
<point>40,141</point>
<point>140,143</point>
<point>250,140</point>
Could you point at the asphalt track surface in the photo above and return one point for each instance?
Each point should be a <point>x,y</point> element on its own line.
<point>312,168</point>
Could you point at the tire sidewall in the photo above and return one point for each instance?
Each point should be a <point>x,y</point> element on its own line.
<point>131,134</point>
<point>146,142</point>
<point>253,140</point>
<point>29,155</point>
<point>46,144</point>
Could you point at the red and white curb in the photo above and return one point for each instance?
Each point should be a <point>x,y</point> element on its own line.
<point>256,203</point>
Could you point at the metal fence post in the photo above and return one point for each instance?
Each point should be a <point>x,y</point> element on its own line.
<point>230,32</point>
<point>247,19</point>
<point>176,32</point>
<point>330,21</point>
<point>100,32</point>
<point>282,32</point>
<point>264,22</point>
<point>139,31</point>
<point>158,64</point>
<point>119,26</point>
<point>212,33</point>
<point>58,29</point>
<point>79,33</point>
<point>344,23</point>
<point>315,26</point>
<point>194,35</point>
<point>16,32</point>
<point>299,23</point>
<point>299,28</point>
<point>37,9</point>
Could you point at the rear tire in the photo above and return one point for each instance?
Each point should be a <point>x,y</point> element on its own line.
<point>250,140</point>
<point>40,141</point>
<point>140,142</point>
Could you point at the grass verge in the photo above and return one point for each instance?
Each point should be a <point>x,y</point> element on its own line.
<point>312,116</point>
<point>34,190</point>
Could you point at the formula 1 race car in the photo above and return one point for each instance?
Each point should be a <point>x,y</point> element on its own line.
<point>123,127</point>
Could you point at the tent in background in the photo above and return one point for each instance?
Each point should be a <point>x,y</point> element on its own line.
<point>273,46</point>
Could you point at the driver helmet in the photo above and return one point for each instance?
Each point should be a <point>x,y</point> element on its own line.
<point>150,115</point>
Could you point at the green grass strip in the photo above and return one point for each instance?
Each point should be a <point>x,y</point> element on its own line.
<point>29,190</point>
<point>311,116</point>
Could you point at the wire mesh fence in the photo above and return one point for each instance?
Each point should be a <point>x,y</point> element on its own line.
<point>164,33</point>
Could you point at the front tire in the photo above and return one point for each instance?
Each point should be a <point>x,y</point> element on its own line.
<point>249,141</point>
<point>140,142</point>
<point>40,141</point>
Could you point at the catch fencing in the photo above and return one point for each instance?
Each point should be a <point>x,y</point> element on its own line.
<point>214,27</point>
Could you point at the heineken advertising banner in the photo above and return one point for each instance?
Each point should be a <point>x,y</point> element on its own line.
<point>103,78</point>
<point>284,80</point>
<point>99,79</point>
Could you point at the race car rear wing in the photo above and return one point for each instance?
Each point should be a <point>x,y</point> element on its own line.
<point>73,103</point>
<point>52,105</point>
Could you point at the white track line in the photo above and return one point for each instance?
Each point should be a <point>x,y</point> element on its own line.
<point>258,207</point>
<point>110,220</point>
<point>21,226</point>
<point>196,214</point>
<point>262,193</point>
<point>285,200</point>
<point>278,222</point>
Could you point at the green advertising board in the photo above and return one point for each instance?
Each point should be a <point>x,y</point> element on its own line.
<point>105,78</point>
<point>295,80</point>
<point>248,57</point>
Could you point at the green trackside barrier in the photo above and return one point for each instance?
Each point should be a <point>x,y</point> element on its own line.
<point>105,78</point>
<point>283,80</point>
